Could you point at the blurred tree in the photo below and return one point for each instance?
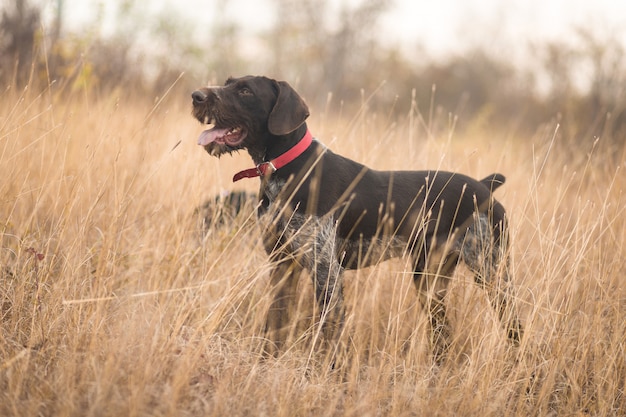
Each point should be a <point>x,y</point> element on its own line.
<point>324,52</point>
<point>19,27</point>
<point>322,49</point>
<point>220,55</point>
<point>351,48</point>
<point>296,41</point>
<point>587,84</point>
<point>605,104</point>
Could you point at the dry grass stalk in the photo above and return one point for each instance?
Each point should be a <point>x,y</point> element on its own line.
<point>115,302</point>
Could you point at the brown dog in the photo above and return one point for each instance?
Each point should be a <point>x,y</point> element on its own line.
<point>330,213</point>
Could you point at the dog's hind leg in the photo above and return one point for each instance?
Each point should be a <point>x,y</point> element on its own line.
<point>487,258</point>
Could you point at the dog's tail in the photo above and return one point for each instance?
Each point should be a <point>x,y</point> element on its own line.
<point>493,181</point>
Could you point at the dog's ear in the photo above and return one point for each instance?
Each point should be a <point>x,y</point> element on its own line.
<point>289,112</point>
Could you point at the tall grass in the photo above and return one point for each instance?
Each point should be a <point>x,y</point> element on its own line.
<point>115,301</point>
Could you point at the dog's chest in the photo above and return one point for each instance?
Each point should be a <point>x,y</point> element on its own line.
<point>270,189</point>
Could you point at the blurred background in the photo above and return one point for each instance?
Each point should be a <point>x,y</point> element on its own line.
<point>505,65</point>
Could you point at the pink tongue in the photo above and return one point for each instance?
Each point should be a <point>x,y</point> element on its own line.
<point>210,135</point>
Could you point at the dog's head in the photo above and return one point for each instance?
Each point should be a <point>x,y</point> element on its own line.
<point>247,112</point>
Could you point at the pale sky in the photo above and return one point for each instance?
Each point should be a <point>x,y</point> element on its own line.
<point>446,23</point>
<point>440,26</point>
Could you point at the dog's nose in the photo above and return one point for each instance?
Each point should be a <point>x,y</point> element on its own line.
<point>198,97</point>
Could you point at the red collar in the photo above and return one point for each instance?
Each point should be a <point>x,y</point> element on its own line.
<point>265,168</point>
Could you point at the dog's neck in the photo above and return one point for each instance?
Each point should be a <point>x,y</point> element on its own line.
<point>273,146</point>
<point>269,164</point>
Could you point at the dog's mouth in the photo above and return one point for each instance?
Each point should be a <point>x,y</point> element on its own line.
<point>224,136</point>
<point>218,140</point>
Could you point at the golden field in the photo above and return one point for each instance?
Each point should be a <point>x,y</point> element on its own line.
<point>115,302</point>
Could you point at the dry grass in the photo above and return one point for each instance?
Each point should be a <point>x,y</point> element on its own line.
<point>114,303</point>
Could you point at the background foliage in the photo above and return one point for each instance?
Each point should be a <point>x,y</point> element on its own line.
<point>578,82</point>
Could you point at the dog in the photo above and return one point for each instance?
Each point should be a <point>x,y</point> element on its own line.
<point>326,213</point>
<point>222,209</point>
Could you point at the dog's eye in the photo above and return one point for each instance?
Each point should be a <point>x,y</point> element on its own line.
<point>245,91</point>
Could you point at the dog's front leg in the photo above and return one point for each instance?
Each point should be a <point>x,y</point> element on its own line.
<point>328,283</point>
<point>286,268</point>
<point>431,280</point>
<point>318,236</point>
<point>431,289</point>
<point>284,280</point>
